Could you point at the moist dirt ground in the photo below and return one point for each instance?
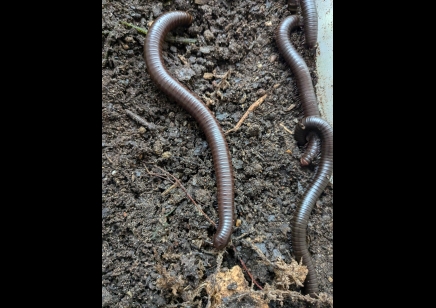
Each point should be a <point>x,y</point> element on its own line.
<point>156,248</point>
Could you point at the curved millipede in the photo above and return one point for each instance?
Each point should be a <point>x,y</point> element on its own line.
<point>319,183</point>
<point>310,20</point>
<point>198,110</point>
<point>312,149</point>
<point>304,81</point>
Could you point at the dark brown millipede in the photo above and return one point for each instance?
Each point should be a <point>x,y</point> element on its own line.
<point>198,110</point>
<point>310,20</point>
<point>316,187</point>
<point>304,81</point>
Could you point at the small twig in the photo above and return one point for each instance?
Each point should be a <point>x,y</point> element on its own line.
<point>244,234</point>
<point>140,120</point>
<point>241,236</point>
<point>183,59</point>
<point>169,189</point>
<point>168,38</point>
<point>109,159</point>
<point>246,269</point>
<point>140,30</point>
<point>286,129</point>
<point>290,107</point>
<point>251,109</point>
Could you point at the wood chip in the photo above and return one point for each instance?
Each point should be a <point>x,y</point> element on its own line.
<point>286,129</point>
<point>208,76</point>
<point>183,59</point>
<point>290,107</point>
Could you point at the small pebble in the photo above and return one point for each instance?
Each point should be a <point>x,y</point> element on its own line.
<point>157,147</point>
<point>206,49</point>
<point>192,59</point>
<point>157,9</point>
<point>238,164</point>
<point>208,35</point>
<point>142,130</point>
<point>260,92</point>
<point>166,155</point>
<point>184,73</point>
<point>221,116</point>
<point>208,76</point>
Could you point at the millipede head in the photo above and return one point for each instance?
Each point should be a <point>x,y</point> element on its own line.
<point>218,242</point>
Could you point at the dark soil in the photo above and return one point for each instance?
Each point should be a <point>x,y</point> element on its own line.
<point>143,230</point>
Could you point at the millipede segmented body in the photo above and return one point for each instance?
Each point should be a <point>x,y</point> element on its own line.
<point>316,187</point>
<point>304,81</point>
<point>310,20</point>
<point>198,110</point>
